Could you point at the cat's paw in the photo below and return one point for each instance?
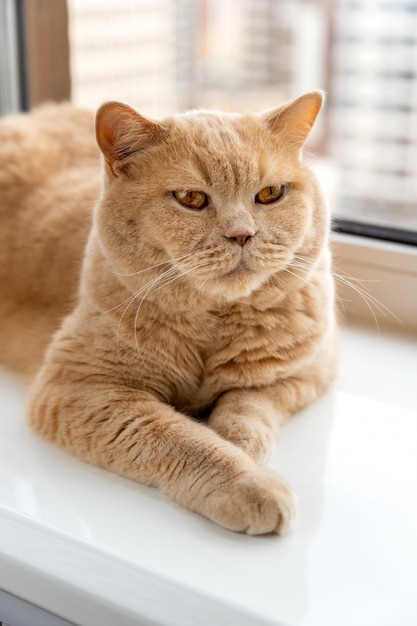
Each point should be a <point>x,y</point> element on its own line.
<point>254,438</point>
<point>257,502</point>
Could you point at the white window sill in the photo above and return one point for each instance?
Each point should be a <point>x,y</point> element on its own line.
<point>94,548</point>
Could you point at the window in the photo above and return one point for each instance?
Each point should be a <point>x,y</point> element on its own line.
<point>34,53</point>
<point>374,115</point>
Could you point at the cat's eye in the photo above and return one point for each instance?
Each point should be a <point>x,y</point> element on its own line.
<point>271,194</point>
<point>192,199</point>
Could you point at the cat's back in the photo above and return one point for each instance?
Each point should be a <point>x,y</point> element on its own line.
<point>49,184</point>
<point>36,146</point>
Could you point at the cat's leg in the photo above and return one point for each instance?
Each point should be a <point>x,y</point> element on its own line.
<point>251,418</point>
<point>134,434</point>
<point>248,420</point>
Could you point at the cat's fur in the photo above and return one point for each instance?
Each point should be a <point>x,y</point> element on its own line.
<point>224,314</point>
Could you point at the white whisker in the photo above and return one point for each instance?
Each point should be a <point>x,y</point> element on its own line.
<point>302,264</point>
<point>131,298</point>
<point>370,300</point>
<point>155,283</point>
<point>151,267</point>
<point>145,288</point>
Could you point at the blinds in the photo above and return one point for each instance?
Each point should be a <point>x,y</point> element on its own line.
<point>125,50</point>
<point>374,89</point>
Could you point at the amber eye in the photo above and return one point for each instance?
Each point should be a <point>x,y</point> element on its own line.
<point>191,199</point>
<point>268,195</point>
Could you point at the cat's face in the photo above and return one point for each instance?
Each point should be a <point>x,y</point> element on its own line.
<point>222,198</point>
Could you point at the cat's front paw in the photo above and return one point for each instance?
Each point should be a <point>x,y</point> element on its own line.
<point>257,502</point>
<point>255,437</point>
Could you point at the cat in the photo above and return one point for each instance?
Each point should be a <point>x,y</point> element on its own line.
<point>174,305</point>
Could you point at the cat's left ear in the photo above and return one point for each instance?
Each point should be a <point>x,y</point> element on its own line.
<point>121,132</point>
<point>294,120</point>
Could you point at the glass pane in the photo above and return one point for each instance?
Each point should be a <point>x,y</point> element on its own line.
<point>166,55</point>
<point>374,111</point>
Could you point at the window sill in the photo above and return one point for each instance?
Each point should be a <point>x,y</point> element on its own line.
<point>129,556</point>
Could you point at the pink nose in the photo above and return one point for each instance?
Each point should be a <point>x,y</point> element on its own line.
<point>241,238</point>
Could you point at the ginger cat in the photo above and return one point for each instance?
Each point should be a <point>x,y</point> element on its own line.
<point>176,312</point>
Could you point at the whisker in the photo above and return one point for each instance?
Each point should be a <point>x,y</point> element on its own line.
<point>146,288</point>
<point>368,298</point>
<point>181,273</point>
<point>128,301</point>
<point>281,284</point>
<point>293,273</point>
<point>304,264</point>
<point>151,267</point>
<point>118,306</point>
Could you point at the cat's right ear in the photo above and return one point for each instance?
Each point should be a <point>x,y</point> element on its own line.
<point>121,132</point>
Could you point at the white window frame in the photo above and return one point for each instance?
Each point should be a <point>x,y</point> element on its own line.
<point>386,274</point>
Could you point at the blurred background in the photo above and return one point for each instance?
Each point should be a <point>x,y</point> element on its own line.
<point>162,56</point>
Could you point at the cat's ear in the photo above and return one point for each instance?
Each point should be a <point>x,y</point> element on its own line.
<point>121,132</point>
<point>293,121</point>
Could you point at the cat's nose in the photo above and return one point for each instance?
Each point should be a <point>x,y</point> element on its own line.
<point>240,237</point>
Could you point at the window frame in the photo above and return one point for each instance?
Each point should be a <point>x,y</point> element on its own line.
<point>385,272</point>
<point>374,230</point>
<point>44,51</point>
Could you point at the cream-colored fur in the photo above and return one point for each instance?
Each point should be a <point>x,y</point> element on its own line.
<point>223,313</point>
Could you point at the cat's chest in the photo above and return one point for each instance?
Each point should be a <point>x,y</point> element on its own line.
<point>250,350</point>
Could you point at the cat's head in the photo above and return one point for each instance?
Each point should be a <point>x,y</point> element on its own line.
<point>219,200</point>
